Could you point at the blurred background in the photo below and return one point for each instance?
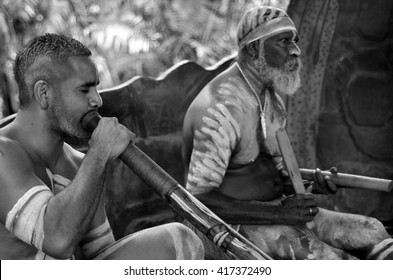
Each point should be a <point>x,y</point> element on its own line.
<point>342,116</point>
<point>127,38</point>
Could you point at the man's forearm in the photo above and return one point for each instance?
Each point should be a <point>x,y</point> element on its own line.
<point>235,211</point>
<point>70,212</point>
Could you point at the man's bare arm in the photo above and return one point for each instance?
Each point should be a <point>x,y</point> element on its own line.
<point>69,213</point>
<point>216,133</point>
<point>290,211</point>
<point>108,141</point>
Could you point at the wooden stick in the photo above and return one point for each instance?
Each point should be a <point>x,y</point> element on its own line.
<point>290,160</point>
<point>351,181</point>
<point>340,179</point>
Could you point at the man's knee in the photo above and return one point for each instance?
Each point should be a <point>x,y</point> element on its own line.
<point>187,244</point>
<point>375,227</point>
<point>167,241</point>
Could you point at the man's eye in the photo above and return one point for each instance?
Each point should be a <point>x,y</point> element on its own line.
<point>85,90</point>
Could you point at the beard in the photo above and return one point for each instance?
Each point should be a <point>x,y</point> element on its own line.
<point>285,79</point>
<point>65,123</point>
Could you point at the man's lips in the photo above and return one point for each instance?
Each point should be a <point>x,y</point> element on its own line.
<point>293,65</point>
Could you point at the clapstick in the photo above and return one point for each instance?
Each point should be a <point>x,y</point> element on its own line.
<point>290,160</point>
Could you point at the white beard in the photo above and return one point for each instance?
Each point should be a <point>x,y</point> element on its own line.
<point>286,82</point>
<point>284,79</point>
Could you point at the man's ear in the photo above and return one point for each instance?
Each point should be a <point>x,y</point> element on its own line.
<point>41,93</point>
<point>253,49</point>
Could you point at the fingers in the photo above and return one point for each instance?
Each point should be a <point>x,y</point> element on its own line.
<point>306,201</point>
<point>299,208</point>
<point>324,184</point>
<point>110,138</point>
<point>309,203</point>
<point>128,133</point>
<point>318,176</point>
<point>332,186</point>
<point>312,211</point>
<point>333,170</point>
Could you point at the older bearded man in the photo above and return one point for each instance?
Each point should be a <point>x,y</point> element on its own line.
<point>234,165</point>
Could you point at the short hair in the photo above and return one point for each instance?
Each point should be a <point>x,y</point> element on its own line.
<point>55,48</point>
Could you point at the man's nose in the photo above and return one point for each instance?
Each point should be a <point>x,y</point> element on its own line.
<point>95,101</point>
<point>294,49</point>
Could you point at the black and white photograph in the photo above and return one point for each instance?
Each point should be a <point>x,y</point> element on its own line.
<point>196,138</point>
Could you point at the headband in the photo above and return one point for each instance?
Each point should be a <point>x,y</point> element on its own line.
<point>268,29</point>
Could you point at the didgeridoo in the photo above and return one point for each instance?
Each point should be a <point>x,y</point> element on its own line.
<point>182,201</point>
<point>351,181</point>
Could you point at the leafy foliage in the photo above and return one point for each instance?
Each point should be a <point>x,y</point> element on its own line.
<point>128,38</point>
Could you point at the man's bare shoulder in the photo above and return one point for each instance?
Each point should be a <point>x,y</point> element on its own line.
<point>13,153</point>
<point>221,96</point>
<point>17,174</point>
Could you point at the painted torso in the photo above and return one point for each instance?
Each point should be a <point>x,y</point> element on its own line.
<point>224,143</point>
